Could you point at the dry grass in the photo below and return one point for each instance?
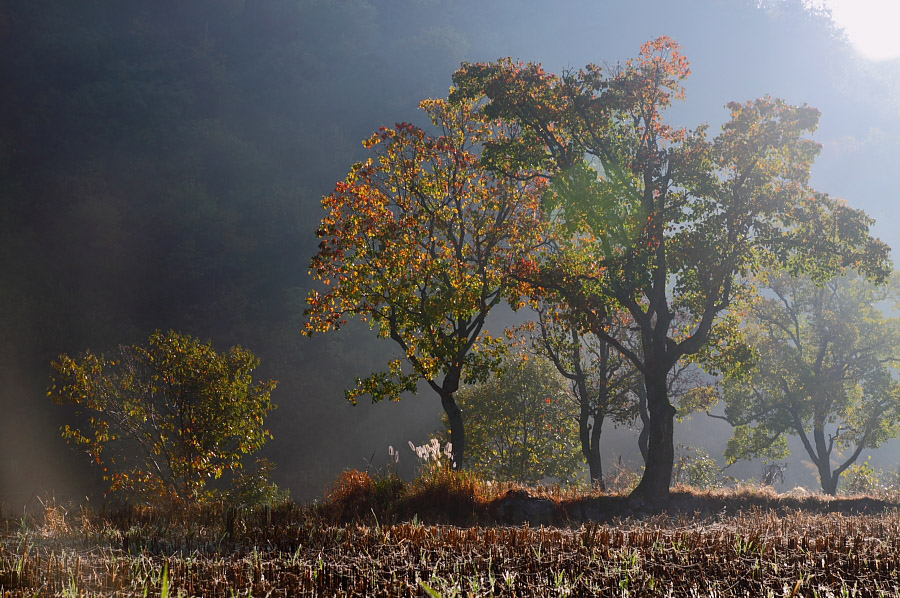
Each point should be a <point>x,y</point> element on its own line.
<point>723,543</point>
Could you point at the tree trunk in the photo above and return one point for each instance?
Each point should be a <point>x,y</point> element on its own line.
<point>823,452</point>
<point>457,431</point>
<point>828,480</point>
<point>589,431</point>
<point>594,462</point>
<point>820,454</point>
<point>654,484</point>
<point>589,428</point>
<point>644,436</point>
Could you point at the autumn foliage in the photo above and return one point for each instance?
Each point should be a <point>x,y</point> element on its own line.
<point>572,189</point>
<point>163,419</point>
<point>665,224</point>
<point>419,240</point>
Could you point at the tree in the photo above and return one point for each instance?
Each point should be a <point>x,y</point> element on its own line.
<point>418,241</point>
<point>164,418</point>
<point>825,373</point>
<point>659,221</point>
<point>602,382</point>
<point>521,424</point>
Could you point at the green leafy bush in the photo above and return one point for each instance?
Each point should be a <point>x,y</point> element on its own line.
<point>521,425</point>
<point>163,419</point>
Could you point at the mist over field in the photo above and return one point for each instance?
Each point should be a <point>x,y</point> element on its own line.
<point>162,165</point>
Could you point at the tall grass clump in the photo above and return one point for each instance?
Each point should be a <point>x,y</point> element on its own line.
<point>358,496</point>
<point>440,492</point>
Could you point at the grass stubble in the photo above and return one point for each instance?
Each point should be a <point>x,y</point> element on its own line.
<point>442,537</point>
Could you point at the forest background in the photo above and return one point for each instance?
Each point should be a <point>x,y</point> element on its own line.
<point>162,163</point>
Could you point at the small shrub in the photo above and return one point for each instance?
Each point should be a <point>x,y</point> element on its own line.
<point>861,478</point>
<point>892,480</point>
<point>256,489</point>
<point>54,519</point>
<point>694,467</point>
<point>772,473</point>
<point>622,479</point>
<point>164,419</point>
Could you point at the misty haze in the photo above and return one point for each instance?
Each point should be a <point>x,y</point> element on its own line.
<point>311,265</point>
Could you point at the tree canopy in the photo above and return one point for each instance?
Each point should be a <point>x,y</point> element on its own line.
<point>664,222</point>
<point>827,360</point>
<point>418,240</point>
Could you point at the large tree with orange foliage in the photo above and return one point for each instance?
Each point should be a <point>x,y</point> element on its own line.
<point>661,221</point>
<point>419,240</point>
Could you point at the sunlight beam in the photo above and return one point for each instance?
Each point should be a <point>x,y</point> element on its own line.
<point>871,25</point>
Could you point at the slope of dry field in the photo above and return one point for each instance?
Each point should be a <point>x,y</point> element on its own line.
<point>701,544</point>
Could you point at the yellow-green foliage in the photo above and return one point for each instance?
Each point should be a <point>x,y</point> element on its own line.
<point>162,419</point>
<point>521,425</point>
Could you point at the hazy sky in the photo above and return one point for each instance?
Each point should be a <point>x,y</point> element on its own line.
<point>871,25</point>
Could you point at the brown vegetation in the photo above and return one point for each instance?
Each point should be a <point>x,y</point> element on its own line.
<point>380,537</point>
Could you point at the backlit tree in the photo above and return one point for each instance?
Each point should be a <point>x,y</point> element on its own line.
<point>661,221</point>
<point>522,424</point>
<point>828,356</point>
<point>418,241</point>
<point>601,381</point>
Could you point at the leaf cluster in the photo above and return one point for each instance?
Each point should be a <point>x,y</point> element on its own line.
<point>826,370</point>
<point>419,240</point>
<point>164,418</point>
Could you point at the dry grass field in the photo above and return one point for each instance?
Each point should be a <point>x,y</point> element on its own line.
<point>453,537</point>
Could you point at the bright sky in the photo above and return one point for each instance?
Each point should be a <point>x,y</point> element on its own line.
<point>871,25</point>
